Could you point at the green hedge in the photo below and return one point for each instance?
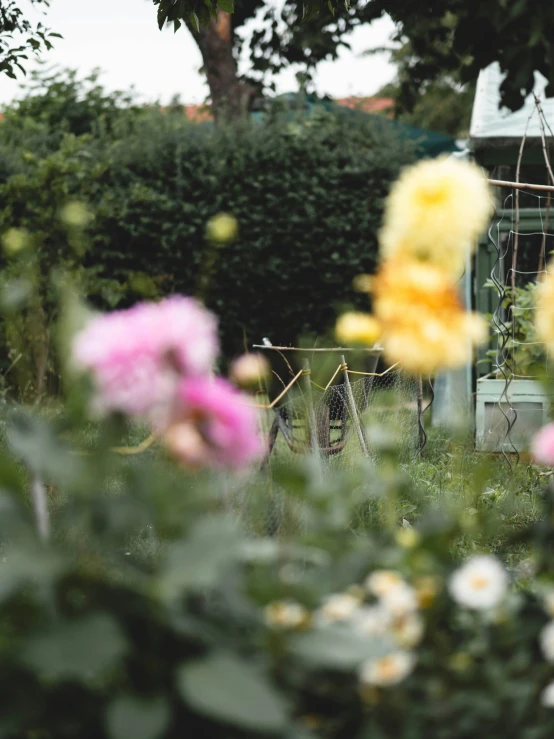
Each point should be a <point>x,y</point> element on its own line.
<point>307,196</point>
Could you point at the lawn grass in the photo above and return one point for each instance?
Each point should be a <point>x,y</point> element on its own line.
<point>448,475</point>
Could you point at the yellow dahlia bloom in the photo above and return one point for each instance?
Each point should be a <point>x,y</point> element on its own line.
<point>425,326</point>
<point>434,213</point>
<point>544,315</point>
<point>357,328</point>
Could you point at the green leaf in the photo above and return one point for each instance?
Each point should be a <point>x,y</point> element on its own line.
<point>227,6</point>
<point>193,18</point>
<point>176,25</point>
<point>231,690</point>
<point>14,295</point>
<point>35,443</point>
<point>337,648</point>
<point>20,567</point>
<point>131,718</point>
<point>309,10</point>
<point>162,17</point>
<point>198,561</point>
<point>78,650</point>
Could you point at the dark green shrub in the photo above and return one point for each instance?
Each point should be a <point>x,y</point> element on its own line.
<point>307,196</point>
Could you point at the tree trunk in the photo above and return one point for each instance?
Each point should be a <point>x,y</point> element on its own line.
<point>230,96</point>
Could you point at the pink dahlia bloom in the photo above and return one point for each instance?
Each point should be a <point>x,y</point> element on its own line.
<point>137,356</point>
<point>214,425</point>
<point>542,447</point>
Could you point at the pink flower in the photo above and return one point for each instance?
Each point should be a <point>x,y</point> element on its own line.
<point>137,356</point>
<point>542,447</point>
<point>214,425</point>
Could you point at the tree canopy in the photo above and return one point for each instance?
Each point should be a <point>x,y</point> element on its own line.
<point>443,105</point>
<point>19,36</point>
<point>446,38</point>
<point>461,36</point>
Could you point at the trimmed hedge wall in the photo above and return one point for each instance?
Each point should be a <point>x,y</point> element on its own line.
<point>307,195</point>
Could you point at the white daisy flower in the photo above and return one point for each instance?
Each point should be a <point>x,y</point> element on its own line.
<point>371,620</point>
<point>338,607</point>
<point>547,696</point>
<point>547,641</point>
<point>480,584</point>
<point>400,600</point>
<point>407,630</point>
<point>286,614</point>
<point>388,670</point>
<point>381,582</point>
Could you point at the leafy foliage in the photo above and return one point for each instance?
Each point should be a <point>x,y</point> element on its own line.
<point>451,36</point>
<point>307,195</point>
<point>18,36</point>
<point>442,105</point>
<point>62,102</point>
<point>145,613</point>
<point>525,353</point>
<point>102,636</point>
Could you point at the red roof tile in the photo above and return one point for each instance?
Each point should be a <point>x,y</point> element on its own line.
<point>368,104</point>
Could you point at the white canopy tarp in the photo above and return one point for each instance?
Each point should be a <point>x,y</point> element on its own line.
<point>488,121</point>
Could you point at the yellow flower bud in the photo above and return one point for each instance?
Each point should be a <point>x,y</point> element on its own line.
<point>75,214</point>
<point>249,370</point>
<point>222,228</point>
<point>15,240</point>
<point>362,283</point>
<point>407,538</point>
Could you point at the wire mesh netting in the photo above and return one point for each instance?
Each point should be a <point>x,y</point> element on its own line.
<point>332,421</point>
<point>324,427</point>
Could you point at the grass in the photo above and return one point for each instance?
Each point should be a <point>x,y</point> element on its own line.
<point>449,474</point>
<point>483,488</point>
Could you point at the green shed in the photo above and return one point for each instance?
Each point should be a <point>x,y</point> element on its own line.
<point>496,137</point>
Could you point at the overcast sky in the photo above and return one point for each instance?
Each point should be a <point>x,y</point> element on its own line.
<point>122,38</point>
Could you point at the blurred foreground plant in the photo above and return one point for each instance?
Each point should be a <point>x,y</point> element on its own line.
<point>153,607</point>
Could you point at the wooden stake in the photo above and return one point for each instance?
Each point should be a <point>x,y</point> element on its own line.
<point>310,419</point>
<point>353,409</point>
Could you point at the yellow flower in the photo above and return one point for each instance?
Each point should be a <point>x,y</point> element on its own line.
<point>425,327</point>
<point>435,211</point>
<point>544,315</point>
<point>357,328</point>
